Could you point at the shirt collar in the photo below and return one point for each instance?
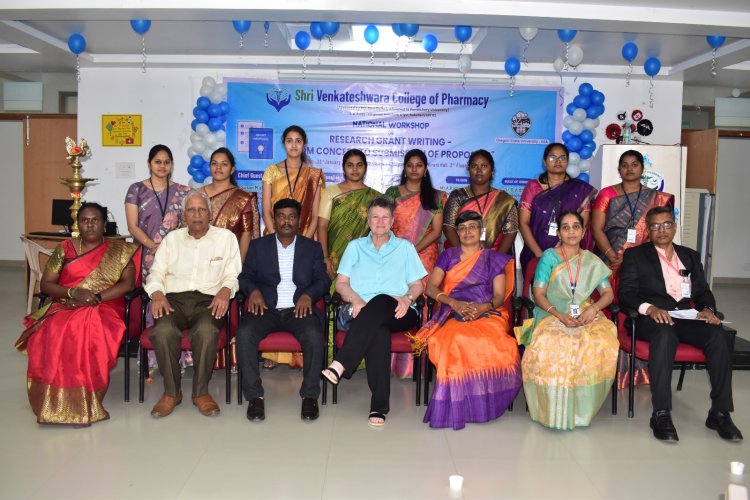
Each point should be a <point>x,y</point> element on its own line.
<point>387,243</point>
<point>291,245</point>
<point>188,236</point>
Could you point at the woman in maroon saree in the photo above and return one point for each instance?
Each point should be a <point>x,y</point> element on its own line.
<point>72,343</point>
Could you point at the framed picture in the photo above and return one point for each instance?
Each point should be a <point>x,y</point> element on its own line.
<point>121,130</point>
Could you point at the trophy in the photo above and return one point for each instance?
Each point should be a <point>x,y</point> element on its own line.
<point>76,184</point>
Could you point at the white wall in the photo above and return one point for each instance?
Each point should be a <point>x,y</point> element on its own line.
<point>11,190</point>
<point>731,255</point>
<point>165,98</point>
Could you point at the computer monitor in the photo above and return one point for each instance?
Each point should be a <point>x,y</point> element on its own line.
<point>61,213</point>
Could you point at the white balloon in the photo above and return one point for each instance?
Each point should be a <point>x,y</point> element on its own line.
<point>574,158</point>
<point>221,88</point>
<point>575,127</point>
<point>195,137</point>
<point>528,34</point>
<point>191,152</point>
<point>567,120</point>
<point>579,114</point>
<point>220,135</point>
<point>558,64</point>
<point>573,170</point>
<point>202,130</point>
<point>585,165</point>
<point>206,91</point>
<point>198,147</point>
<point>210,141</point>
<point>590,124</point>
<point>464,63</point>
<point>216,97</point>
<point>207,154</point>
<point>220,144</point>
<point>193,184</point>
<point>575,55</point>
<point>209,82</point>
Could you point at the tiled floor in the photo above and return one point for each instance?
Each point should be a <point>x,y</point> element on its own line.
<point>189,456</point>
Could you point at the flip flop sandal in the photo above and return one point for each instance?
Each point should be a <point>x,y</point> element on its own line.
<point>376,414</point>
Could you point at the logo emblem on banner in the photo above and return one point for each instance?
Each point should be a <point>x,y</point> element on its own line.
<point>278,98</point>
<point>520,123</point>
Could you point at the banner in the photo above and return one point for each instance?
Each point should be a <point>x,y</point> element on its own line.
<point>385,120</point>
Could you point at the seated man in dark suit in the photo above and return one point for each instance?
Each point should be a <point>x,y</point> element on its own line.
<point>658,277</point>
<point>284,277</point>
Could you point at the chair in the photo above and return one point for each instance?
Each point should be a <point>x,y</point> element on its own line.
<point>32,250</point>
<point>686,354</point>
<point>510,305</point>
<point>223,345</point>
<point>286,342</point>
<point>400,343</point>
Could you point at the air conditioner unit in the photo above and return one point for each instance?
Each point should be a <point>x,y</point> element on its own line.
<point>732,112</point>
<point>22,96</point>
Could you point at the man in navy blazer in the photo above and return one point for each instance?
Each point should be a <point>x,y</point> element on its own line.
<point>283,277</point>
<point>658,277</point>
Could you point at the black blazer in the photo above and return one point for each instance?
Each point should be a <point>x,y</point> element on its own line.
<point>260,271</point>
<point>641,280</point>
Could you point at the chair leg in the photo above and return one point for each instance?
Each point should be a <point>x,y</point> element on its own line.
<point>323,380</point>
<point>239,385</point>
<point>683,367</point>
<point>427,378</point>
<point>228,371</point>
<point>418,377</point>
<point>631,385</point>
<point>614,383</point>
<point>126,351</point>
<point>143,370</point>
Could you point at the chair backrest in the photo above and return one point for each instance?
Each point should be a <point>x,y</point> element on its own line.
<point>510,285</point>
<point>32,249</point>
<point>528,277</point>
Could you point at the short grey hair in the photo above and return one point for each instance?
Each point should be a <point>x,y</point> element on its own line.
<point>382,202</point>
<point>201,194</point>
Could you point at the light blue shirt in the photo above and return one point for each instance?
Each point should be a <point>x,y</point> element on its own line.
<point>386,271</point>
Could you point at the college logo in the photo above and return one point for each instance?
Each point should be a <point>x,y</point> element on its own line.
<point>278,98</point>
<point>520,123</point>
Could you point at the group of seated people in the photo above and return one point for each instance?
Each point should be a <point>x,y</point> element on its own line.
<point>194,249</point>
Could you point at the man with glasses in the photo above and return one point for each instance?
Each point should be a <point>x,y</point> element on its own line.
<point>193,277</point>
<point>658,277</point>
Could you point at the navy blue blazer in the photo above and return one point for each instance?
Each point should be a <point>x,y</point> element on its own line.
<point>260,271</point>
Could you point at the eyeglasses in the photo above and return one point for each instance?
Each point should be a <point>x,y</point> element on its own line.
<point>664,225</point>
<point>463,228</point>
<point>553,158</point>
<point>478,166</point>
<point>196,210</point>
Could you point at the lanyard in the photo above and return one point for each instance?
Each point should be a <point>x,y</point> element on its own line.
<point>627,198</point>
<point>573,284</point>
<point>558,203</point>
<point>289,182</point>
<point>162,208</point>
<point>476,200</point>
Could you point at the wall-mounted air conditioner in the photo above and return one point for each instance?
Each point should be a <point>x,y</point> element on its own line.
<point>732,112</point>
<point>22,96</point>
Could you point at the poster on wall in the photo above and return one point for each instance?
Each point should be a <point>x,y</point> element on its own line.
<point>121,130</point>
<point>385,120</point>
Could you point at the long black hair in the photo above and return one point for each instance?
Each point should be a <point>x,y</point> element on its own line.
<point>427,193</point>
<point>230,157</point>
<point>301,132</point>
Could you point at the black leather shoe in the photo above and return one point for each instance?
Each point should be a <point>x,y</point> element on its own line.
<point>722,423</point>
<point>310,409</point>
<point>256,410</point>
<point>661,423</point>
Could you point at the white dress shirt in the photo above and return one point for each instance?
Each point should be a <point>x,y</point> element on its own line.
<point>286,287</point>
<point>183,263</point>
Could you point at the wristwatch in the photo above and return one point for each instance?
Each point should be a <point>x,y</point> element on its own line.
<point>410,297</point>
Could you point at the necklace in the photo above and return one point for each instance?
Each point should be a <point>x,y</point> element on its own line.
<point>410,191</point>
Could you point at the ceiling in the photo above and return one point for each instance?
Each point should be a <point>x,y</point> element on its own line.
<point>34,38</point>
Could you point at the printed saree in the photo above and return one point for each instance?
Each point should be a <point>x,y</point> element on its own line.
<point>498,210</point>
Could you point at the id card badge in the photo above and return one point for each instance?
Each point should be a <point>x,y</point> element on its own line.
<point>631,235</point>
<point>575,310</point>
<point>685,289</point>
<point>484,234</point>
<point>552,231</point>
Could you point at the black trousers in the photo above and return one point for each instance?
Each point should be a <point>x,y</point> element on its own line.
<point>369,338</point>
<point>663,339</point>
<point>308,331</point>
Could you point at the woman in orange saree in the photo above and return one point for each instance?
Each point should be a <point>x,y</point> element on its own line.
<point>72,343</point>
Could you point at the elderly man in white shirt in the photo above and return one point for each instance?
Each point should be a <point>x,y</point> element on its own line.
<point>192,279</point>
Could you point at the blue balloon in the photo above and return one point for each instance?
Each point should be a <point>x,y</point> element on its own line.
<point>316,30</point>
<point>566,35</point>
<point>397,29</point>
<point>214,110</point>
<point>652,66</point>
<point>430,42</point>
<point>302,40</point>
<point>196,161</point>
<point>586,136</point>
<point>574,144</point>
<point>199,177</point>
<point>200,115</point>
<point>266,26</point>
<point>224,107</point>
<point>330,28</point>
<point>629,51</point>
<point>76,43</point>
<point>585,89</point>
<point>716,41</point>
<point>409,29</point>
<point>206,169</point>
<point>140,26</point>
<point>588,144</point>
<point>582,101</point>
<point>371,34</point>
<point>203,102</point>
<point>193,170</point>
<point>566,135</point>
<point>585,153</point>
<point>214,124</point>
<point>194,124</point>
<point>594,111</point>
<point>462,33</point>
<point>241,27</point>
<point>597,97</point>
<point>570,108</point>
<point>512,66</point>
<point>583,176</point>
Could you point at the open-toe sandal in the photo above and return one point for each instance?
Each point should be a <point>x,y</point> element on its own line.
<point>376,415</point>
<point>331,375</point>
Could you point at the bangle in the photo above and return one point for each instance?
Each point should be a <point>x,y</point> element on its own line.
<point>608,250</point>
<point>72,292</point>
<point>437,297</point>
<point>492,304</point>
<point>547,310</point>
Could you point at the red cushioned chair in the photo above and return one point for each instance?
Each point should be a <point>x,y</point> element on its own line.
<point>399,343</point>
<point>223,345</point>
<point>286,342</point>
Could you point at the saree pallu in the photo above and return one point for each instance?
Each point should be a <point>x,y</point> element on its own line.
<point>498,210</point>
<point>348,221</point>
<point>72,350</point>
<point>546,205</point>
<point>568,372</point>
<point>478,363</point>
<point>305,182</point>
